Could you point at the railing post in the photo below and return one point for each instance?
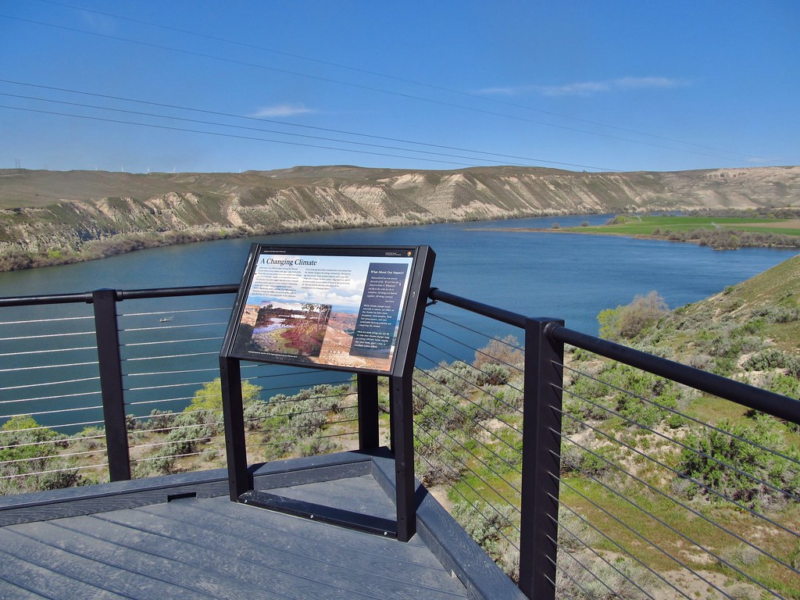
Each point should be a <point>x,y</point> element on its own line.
<point>240,480</point>
<point>368,430</point>
<point>541,450</point>
<point>403,450</point>
<point>110,363</point>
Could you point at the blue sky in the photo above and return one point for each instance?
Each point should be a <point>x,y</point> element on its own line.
<point>431,85</point>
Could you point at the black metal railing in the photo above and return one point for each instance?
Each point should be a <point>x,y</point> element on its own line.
<point>573,477</point>
<point>613,489</point>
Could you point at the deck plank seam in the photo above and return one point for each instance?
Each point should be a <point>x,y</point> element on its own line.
<point>107,564</point>
<point>60,573</point>
<point>315,539</point>
<point>306,557</point>
<point>319,581</point>
<point>223,574</point>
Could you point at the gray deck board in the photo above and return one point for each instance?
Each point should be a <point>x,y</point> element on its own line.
<point>74,566</point>
<point>19,579</point>
<point>211,547</point>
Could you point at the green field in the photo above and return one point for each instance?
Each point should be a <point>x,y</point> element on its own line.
<point>648,226</point>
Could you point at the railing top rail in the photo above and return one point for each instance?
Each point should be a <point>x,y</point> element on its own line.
<point>499,314</point>
<point>752,397</point>
<point>87,297</point>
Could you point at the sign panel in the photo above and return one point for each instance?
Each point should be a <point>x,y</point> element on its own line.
<point>338,307</point>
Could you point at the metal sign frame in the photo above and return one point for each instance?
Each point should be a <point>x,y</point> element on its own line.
<point>380,297</point>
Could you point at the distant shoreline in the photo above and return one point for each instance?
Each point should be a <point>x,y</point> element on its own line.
<point>734,240</point>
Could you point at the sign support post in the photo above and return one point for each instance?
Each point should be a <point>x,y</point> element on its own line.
<point>297,306</point>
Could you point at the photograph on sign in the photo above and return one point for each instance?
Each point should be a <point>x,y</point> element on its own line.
<point>340,310</point>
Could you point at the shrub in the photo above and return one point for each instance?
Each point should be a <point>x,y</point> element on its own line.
<point>626,322</point>
<point>505,351</point>
<point>493,374</point>
<point>732,461</point>
<point>484,523</point>
<point>209,397</point>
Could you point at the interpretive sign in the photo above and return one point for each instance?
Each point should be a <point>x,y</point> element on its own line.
<point>337,307</point>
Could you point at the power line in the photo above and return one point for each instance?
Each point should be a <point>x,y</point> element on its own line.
<point>387,76</point>
<point>231,135</point>
<point>202,122</point>
<point>260,120</point>
<point>353,85</point>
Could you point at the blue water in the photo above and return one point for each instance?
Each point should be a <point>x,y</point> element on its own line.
<point>540,274</point>
<point>568,276</point>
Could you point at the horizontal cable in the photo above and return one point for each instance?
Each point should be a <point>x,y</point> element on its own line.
<point>472,384</point>
<point>44,336</point>
<point>289,400</point>
<point>464,327</point>
<point>685,446</point>
<point>742,393</point>
<point>479,351</point>
<point>569,576</point>
<point>151,458</point>
<point>182,398</point>
<point>171,356</point>
<point>48,320</point>
<point>41,367</point>
<point>167,443</point>
<point>154,373</point>
<point>64,470</point>
<point>166,327</point>
<point>165,386</point>
<point>467,500</point>
<point>616,544</point>
<point>174,312</point>
<point>51,456</point>
<point>170,413</point>
<point>311,412</point>
<point>660,493</point>
<point>479,478</point>
<point>68,440</point>
<point>460,395</point>
<point>480,460</point>
<point>456,359</point>
<point>484,428</point>
<point>49,412</point>
<point>590,571</point>
<point>33,385</point>
<point>457,341</point>
<point>680,414</point>
<point>58,397</point>
<point>653,460</point>
<point>161,342</point>
<point>42,427</point>
<point>639,535</point>
<point>663,523</point>
<point>309,371</point>
<point>48,351</point>
<point>481,425</point>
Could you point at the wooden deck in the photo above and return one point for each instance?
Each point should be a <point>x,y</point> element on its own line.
<point>115,542</point>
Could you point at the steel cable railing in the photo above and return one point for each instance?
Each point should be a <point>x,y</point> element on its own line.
<point>613,543</point>
<point>675,472</point>
<point>700,453</point>
<point>628,470</point>
<point>636,473</point>
<point>47,379</point>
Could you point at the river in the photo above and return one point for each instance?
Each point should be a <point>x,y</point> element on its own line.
<point>568,276</point>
